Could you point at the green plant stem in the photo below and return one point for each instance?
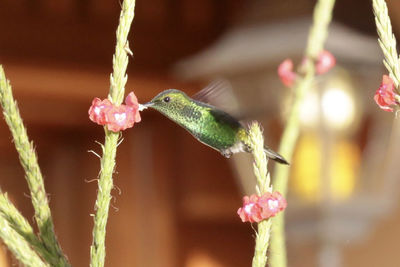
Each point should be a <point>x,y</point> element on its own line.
<point>118,81</point>
<point>316,39</point>
<point>16,221</point>
<point>263,186</point>
<point>119,77</point>
<point>33,174</point>
<point>18,245</point>
<point>387,41</point>
<point>262,241</point>
<point>260,159</point>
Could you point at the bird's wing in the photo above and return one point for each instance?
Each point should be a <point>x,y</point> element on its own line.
<point>219,94</point>
<point>224,117</point>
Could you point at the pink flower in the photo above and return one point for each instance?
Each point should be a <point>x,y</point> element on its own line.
<point>98,110</point>
<point>285,72</point>
<point>325,62</point>
<point>119,118</point>
<point>251,210</point>
<point>257,208</point>
<point>116,118</point>
<point>385,95</point>
<point>272,204</point>
<point>132,102</point>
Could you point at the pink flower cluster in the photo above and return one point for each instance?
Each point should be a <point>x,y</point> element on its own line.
<point>116,118</point>
<point>325,62</point>
<point>385,96</point>
<point>257,208</point>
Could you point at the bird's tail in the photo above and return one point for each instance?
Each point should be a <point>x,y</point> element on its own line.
<point>275,156</point>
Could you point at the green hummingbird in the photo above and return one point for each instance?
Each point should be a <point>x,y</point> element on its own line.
<point>208,124</point>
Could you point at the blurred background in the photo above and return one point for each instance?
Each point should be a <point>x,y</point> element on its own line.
<point>175,200</point>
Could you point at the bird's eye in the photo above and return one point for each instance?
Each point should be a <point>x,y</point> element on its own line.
<point>166,99</point>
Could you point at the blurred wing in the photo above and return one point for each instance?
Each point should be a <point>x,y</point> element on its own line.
<point>219,94</point>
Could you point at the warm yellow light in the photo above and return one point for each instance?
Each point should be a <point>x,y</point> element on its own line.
<point>331,103</point>
<point>328,113</point>
<point>343,168</point>
<point>307,168</point>
<point>338,108</point>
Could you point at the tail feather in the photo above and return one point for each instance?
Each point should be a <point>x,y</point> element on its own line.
<point>275,156</point>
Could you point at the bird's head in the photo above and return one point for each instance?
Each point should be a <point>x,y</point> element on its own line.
<point>169,101</point>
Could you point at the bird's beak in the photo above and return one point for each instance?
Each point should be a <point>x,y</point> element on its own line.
<point>145,106</point>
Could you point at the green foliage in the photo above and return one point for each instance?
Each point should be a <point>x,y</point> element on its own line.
<point>118,81</point>
<point>263,186</point>
<point>18,245</point>
<point>15,230</point>
<point>33,177</point>
<point>317,36</point>
<point>386,40</point>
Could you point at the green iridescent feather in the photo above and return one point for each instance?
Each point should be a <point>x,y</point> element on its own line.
<point>206,123</point>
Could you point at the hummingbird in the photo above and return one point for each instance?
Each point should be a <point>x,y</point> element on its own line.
<point>208,124</point>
